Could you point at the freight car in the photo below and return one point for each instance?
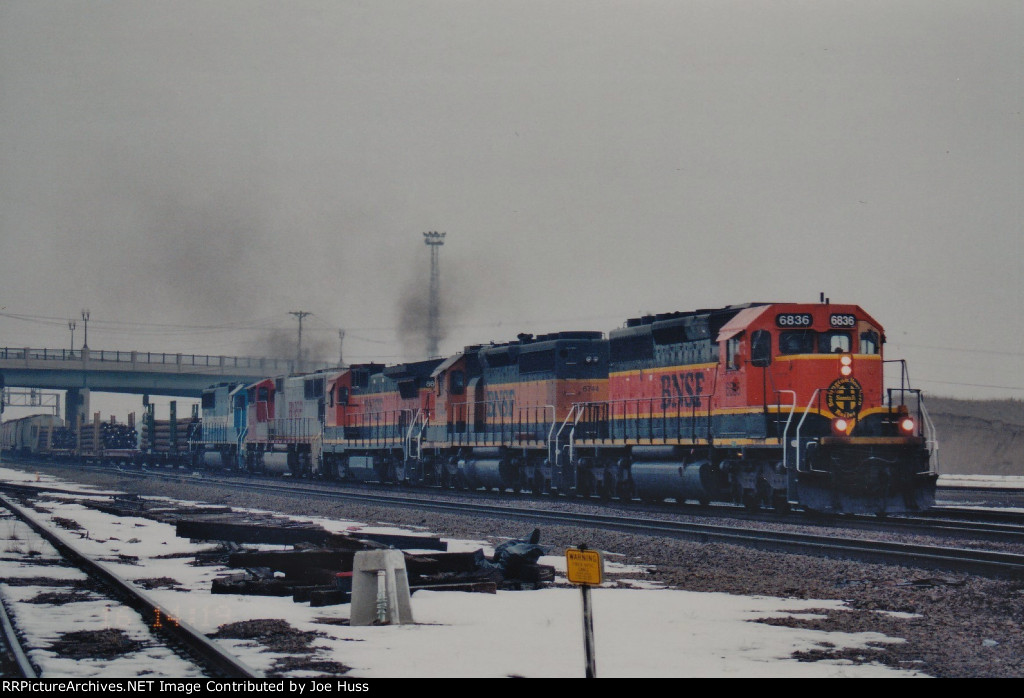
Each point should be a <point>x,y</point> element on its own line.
<point>29,435</point>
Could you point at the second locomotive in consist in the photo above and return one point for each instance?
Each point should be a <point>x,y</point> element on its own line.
<point>768,404</point>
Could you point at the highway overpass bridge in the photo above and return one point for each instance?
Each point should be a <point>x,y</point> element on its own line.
<point>135,372</point>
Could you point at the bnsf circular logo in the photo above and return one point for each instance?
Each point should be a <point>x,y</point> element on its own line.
<point>845,397</point>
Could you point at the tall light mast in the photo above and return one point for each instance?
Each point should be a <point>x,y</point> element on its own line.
<point>298,353</point>
<point>434,241</point>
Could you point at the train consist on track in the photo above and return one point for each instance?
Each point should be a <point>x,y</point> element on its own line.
<point>768,404</point>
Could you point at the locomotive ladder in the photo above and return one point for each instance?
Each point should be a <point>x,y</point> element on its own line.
<point>576,409</point>
<point>419,419</point>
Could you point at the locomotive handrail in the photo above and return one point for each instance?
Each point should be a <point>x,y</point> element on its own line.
<point>572,435</point>
<point>507,419</point>
<point>631,419</point>
<point>785,430</point>
<point>565,422</point>
<point>415,419</point>
<point>928,430</point>
<point>931,438</point>
<point>799,426</point>
<point>551,431</point>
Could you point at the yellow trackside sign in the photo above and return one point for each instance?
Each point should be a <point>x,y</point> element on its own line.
<point>584,567</point>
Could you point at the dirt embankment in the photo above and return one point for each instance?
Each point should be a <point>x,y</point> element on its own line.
<point>979,437</point>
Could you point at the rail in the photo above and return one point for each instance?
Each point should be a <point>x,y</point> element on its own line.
<point>209,652</point>
<point>107,356</point>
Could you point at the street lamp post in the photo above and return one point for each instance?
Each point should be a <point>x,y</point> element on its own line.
<point>85,318</point>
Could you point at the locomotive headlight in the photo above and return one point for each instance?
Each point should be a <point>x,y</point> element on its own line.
<point>907,425</point>
<point>845,364</point>
<point>840,425</point>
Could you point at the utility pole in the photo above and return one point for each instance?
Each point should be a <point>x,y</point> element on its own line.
<point>71,326</point>
<point>434,241</point>
<point>299,314</point>
<point>341,348</point>
<point>85,317</point>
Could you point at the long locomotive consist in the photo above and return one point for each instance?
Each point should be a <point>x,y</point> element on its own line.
<point>772,405</point>
<point>765,404</point>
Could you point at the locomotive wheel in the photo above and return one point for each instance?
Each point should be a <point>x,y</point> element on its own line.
<point>781,504</point>
<point>584,483</point>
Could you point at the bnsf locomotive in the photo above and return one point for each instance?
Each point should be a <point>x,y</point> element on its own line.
<point>765,404</point>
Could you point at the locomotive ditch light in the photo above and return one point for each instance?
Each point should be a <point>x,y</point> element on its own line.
<point>845,364</point>
<point>840,425</point>
<point>907,425</point>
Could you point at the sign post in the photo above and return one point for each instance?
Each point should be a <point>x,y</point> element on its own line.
<point>586,569</point>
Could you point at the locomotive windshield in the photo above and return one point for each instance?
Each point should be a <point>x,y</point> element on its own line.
<point>830,342</point>
<point>834,342</point>
<point>797,341</point>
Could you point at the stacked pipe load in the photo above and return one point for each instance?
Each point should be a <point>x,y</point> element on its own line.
<point>63,439</point>
<point>162,435</point>
<point>89,437</point>
<point>118,436</point>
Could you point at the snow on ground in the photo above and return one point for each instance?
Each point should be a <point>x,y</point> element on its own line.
<point>639,632</point>
<point>1000,481</point>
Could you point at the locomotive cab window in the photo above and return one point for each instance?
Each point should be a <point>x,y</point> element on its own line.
<point>761,348</point>
<point>869,342</point>
<point>797,342</point>
<point>732,350</point>
<point>457,383</point>
<point>342,395</point>
<point>834,342</point>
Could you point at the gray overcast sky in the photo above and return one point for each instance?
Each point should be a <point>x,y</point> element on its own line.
<point>220,163</point>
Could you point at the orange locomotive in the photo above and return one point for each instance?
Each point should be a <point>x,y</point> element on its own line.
<point>765,404</point>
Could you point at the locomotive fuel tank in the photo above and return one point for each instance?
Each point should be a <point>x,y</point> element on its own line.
<point>660,472</point>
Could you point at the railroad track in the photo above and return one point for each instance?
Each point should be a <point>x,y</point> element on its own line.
<point>987,562</point>
<point>182,637</point>
<point>14,652</point>
<point>973,560</point>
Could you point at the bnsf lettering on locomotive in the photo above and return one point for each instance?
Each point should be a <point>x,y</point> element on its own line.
<point>499,403</point>
<point>682,389</point>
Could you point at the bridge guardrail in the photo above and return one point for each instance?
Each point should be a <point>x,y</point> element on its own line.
<point>267,365</point>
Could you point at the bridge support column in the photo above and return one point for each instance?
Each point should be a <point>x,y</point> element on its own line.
<point>76,403</point>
